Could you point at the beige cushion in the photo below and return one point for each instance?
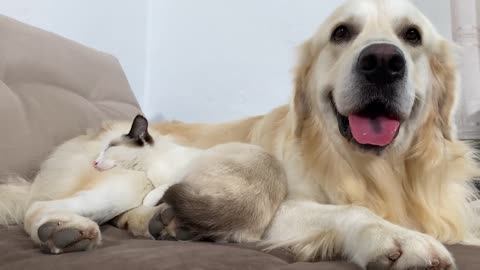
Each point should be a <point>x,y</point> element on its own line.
<point>52,89</point>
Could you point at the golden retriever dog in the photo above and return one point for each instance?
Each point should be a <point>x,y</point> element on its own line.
<point>374,170</point>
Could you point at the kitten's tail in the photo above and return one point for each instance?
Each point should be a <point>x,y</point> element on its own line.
<point>14,198</point>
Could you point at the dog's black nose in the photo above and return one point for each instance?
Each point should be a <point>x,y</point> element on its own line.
<point>381,63</point>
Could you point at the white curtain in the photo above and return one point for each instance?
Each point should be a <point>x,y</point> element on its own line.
<point>466,34</point>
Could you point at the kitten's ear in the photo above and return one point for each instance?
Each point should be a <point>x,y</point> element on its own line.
<point>139,131</point>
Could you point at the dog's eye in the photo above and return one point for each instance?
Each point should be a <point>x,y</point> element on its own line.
<point>341,34</point>
<point>412,36</point>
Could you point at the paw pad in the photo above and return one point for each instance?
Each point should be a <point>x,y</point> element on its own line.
<point>163,226</point>
<point>56,239</point>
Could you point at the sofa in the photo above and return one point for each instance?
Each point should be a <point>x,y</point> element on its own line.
<point>53,89</point>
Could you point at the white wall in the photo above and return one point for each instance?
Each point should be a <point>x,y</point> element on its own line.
<point>216,60</point>
<point>439,12</point>
<point>191,60</point>
<point>116,27</point>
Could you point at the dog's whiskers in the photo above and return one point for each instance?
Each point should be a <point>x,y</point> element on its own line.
<point>419,98</point>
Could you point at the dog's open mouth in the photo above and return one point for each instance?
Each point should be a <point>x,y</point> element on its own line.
<point>373,126</point>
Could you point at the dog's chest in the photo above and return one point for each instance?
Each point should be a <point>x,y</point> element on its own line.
<point>337,184</point>
<point>307,184</point>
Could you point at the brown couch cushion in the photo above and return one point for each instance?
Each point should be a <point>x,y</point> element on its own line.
<point>52,89</point>
<point>120,251</point>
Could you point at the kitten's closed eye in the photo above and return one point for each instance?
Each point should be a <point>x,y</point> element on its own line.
<point>101,163</point>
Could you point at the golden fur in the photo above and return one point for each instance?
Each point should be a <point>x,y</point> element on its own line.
<point>424,186</point>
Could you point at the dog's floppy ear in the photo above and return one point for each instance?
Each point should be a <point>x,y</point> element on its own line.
<point>301,101</point>
<point>444,88</point>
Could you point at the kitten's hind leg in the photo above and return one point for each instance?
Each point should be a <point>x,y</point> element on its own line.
<point>71,224</point>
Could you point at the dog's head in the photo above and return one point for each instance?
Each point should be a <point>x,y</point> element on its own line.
<point>378,72</point>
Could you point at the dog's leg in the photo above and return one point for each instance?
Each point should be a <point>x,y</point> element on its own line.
<point>71,224</point>
<point>316,231</point>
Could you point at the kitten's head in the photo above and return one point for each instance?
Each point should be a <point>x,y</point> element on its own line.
<point>126,151</point>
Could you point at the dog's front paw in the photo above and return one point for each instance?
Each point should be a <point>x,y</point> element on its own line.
<point>396,248</point>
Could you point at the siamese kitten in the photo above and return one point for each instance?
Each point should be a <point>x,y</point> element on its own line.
<point>253,183</point>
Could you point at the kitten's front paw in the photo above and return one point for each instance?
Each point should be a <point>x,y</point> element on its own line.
<point>155,196</point>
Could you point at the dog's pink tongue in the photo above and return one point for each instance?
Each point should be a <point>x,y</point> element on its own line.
<point>378,131</point>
